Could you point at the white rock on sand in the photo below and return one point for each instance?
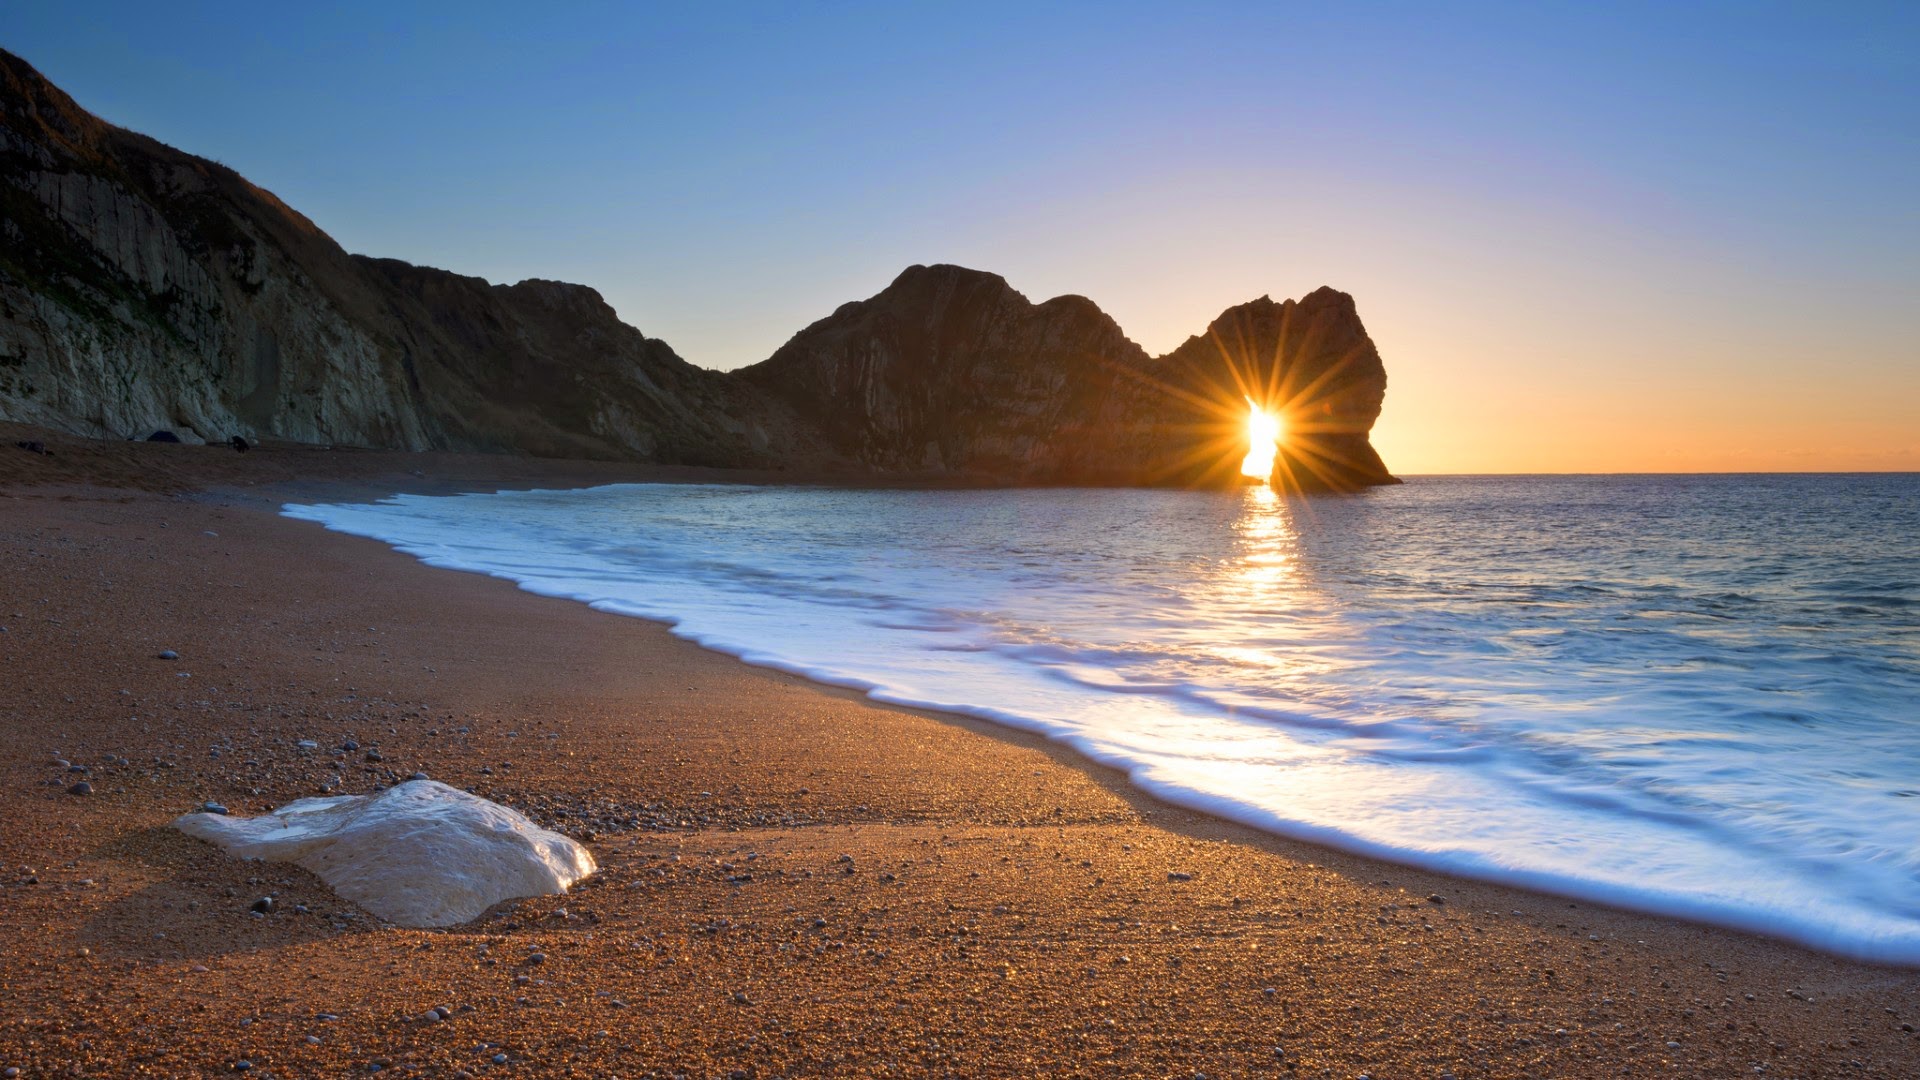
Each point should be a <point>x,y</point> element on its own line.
<point>418,854</point>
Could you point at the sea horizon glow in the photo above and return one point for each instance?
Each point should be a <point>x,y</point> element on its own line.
<point>1686,696</point>
<point>1647,239</point>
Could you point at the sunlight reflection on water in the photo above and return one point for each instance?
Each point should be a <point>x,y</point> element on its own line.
<point>1680,693</point>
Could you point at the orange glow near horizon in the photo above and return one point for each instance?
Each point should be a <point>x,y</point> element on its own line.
<point>1264,432</point>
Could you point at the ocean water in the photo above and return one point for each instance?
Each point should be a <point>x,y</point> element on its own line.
<point>1696,696</point>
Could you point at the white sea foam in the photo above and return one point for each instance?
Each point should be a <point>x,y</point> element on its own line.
<point>1691,696</point>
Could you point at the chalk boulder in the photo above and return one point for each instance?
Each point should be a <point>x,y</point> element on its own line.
<point>418,854</point>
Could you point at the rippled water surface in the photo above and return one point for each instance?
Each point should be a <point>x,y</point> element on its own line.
<point>1691,695</point>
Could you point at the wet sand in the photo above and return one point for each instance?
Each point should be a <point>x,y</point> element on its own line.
<point>795,882</point>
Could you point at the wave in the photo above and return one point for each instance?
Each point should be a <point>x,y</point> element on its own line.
<point>1377,676</point>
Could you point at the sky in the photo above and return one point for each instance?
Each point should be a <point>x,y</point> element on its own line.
<point>1586,238</point>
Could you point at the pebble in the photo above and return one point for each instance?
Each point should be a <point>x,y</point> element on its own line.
<point>168,654</point>
<point>211,807</point>
<point>1175,875</point>
<point>307,744</point>
<point>313,1040</point>
<point>537,958</point>
<point>419,776</point>
<point>499,1059</point>
<point>62,763</point>
<point>1436,898</point>
<point>242,1065</point>
<point>81,788</point>
<point>12,1071</point>
<point>349,745</point>
<point>263,905</point>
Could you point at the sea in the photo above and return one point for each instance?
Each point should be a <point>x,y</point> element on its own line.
<point>1696,696</point>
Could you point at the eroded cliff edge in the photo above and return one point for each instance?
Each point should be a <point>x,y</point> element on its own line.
<point>142,288</point>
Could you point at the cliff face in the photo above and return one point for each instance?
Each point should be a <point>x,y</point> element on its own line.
<point>144,288</point>
<point>951,370</point>
<point>547,368</point>
<point>1311,363</point>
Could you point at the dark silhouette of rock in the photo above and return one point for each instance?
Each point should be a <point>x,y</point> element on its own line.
<point>141,286</point>
<point>1309,362</point>
<point>163,435</point>
<point>949,370</point>
<point>239,444</point>
<point>33,446</point>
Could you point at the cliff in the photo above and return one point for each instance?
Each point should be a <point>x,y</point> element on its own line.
<point>951,370</point>
<point>1308,361</point>
<point>144,288</point>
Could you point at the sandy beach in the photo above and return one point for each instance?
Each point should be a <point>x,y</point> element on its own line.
<point>794,881</point>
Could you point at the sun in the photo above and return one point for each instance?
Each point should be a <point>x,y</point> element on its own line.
<point>1263,442</point>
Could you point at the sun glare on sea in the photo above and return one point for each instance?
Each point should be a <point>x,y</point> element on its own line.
<point>1263,442</point>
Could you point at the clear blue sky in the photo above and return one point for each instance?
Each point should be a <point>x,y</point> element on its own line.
<point>1585,236</point>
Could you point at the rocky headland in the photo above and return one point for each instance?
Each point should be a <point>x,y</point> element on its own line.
<point>143,288</point>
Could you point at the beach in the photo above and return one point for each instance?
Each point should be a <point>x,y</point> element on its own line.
<point>794,881</point>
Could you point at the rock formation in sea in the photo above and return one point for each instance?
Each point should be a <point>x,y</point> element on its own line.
<point>1308,361</point>
<point>951,370</point>
<point>143,288</point>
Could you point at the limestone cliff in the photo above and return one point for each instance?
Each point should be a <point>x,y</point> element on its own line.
<point>951,370</point>
<point>144,288</point>
<point>1308,361</point>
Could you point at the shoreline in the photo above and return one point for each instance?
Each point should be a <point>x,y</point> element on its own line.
<point>1692,908</point>
<point>1010,906</point>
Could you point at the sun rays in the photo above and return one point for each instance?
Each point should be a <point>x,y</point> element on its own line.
<point>1319,443</point>
<point>1264,432</point>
